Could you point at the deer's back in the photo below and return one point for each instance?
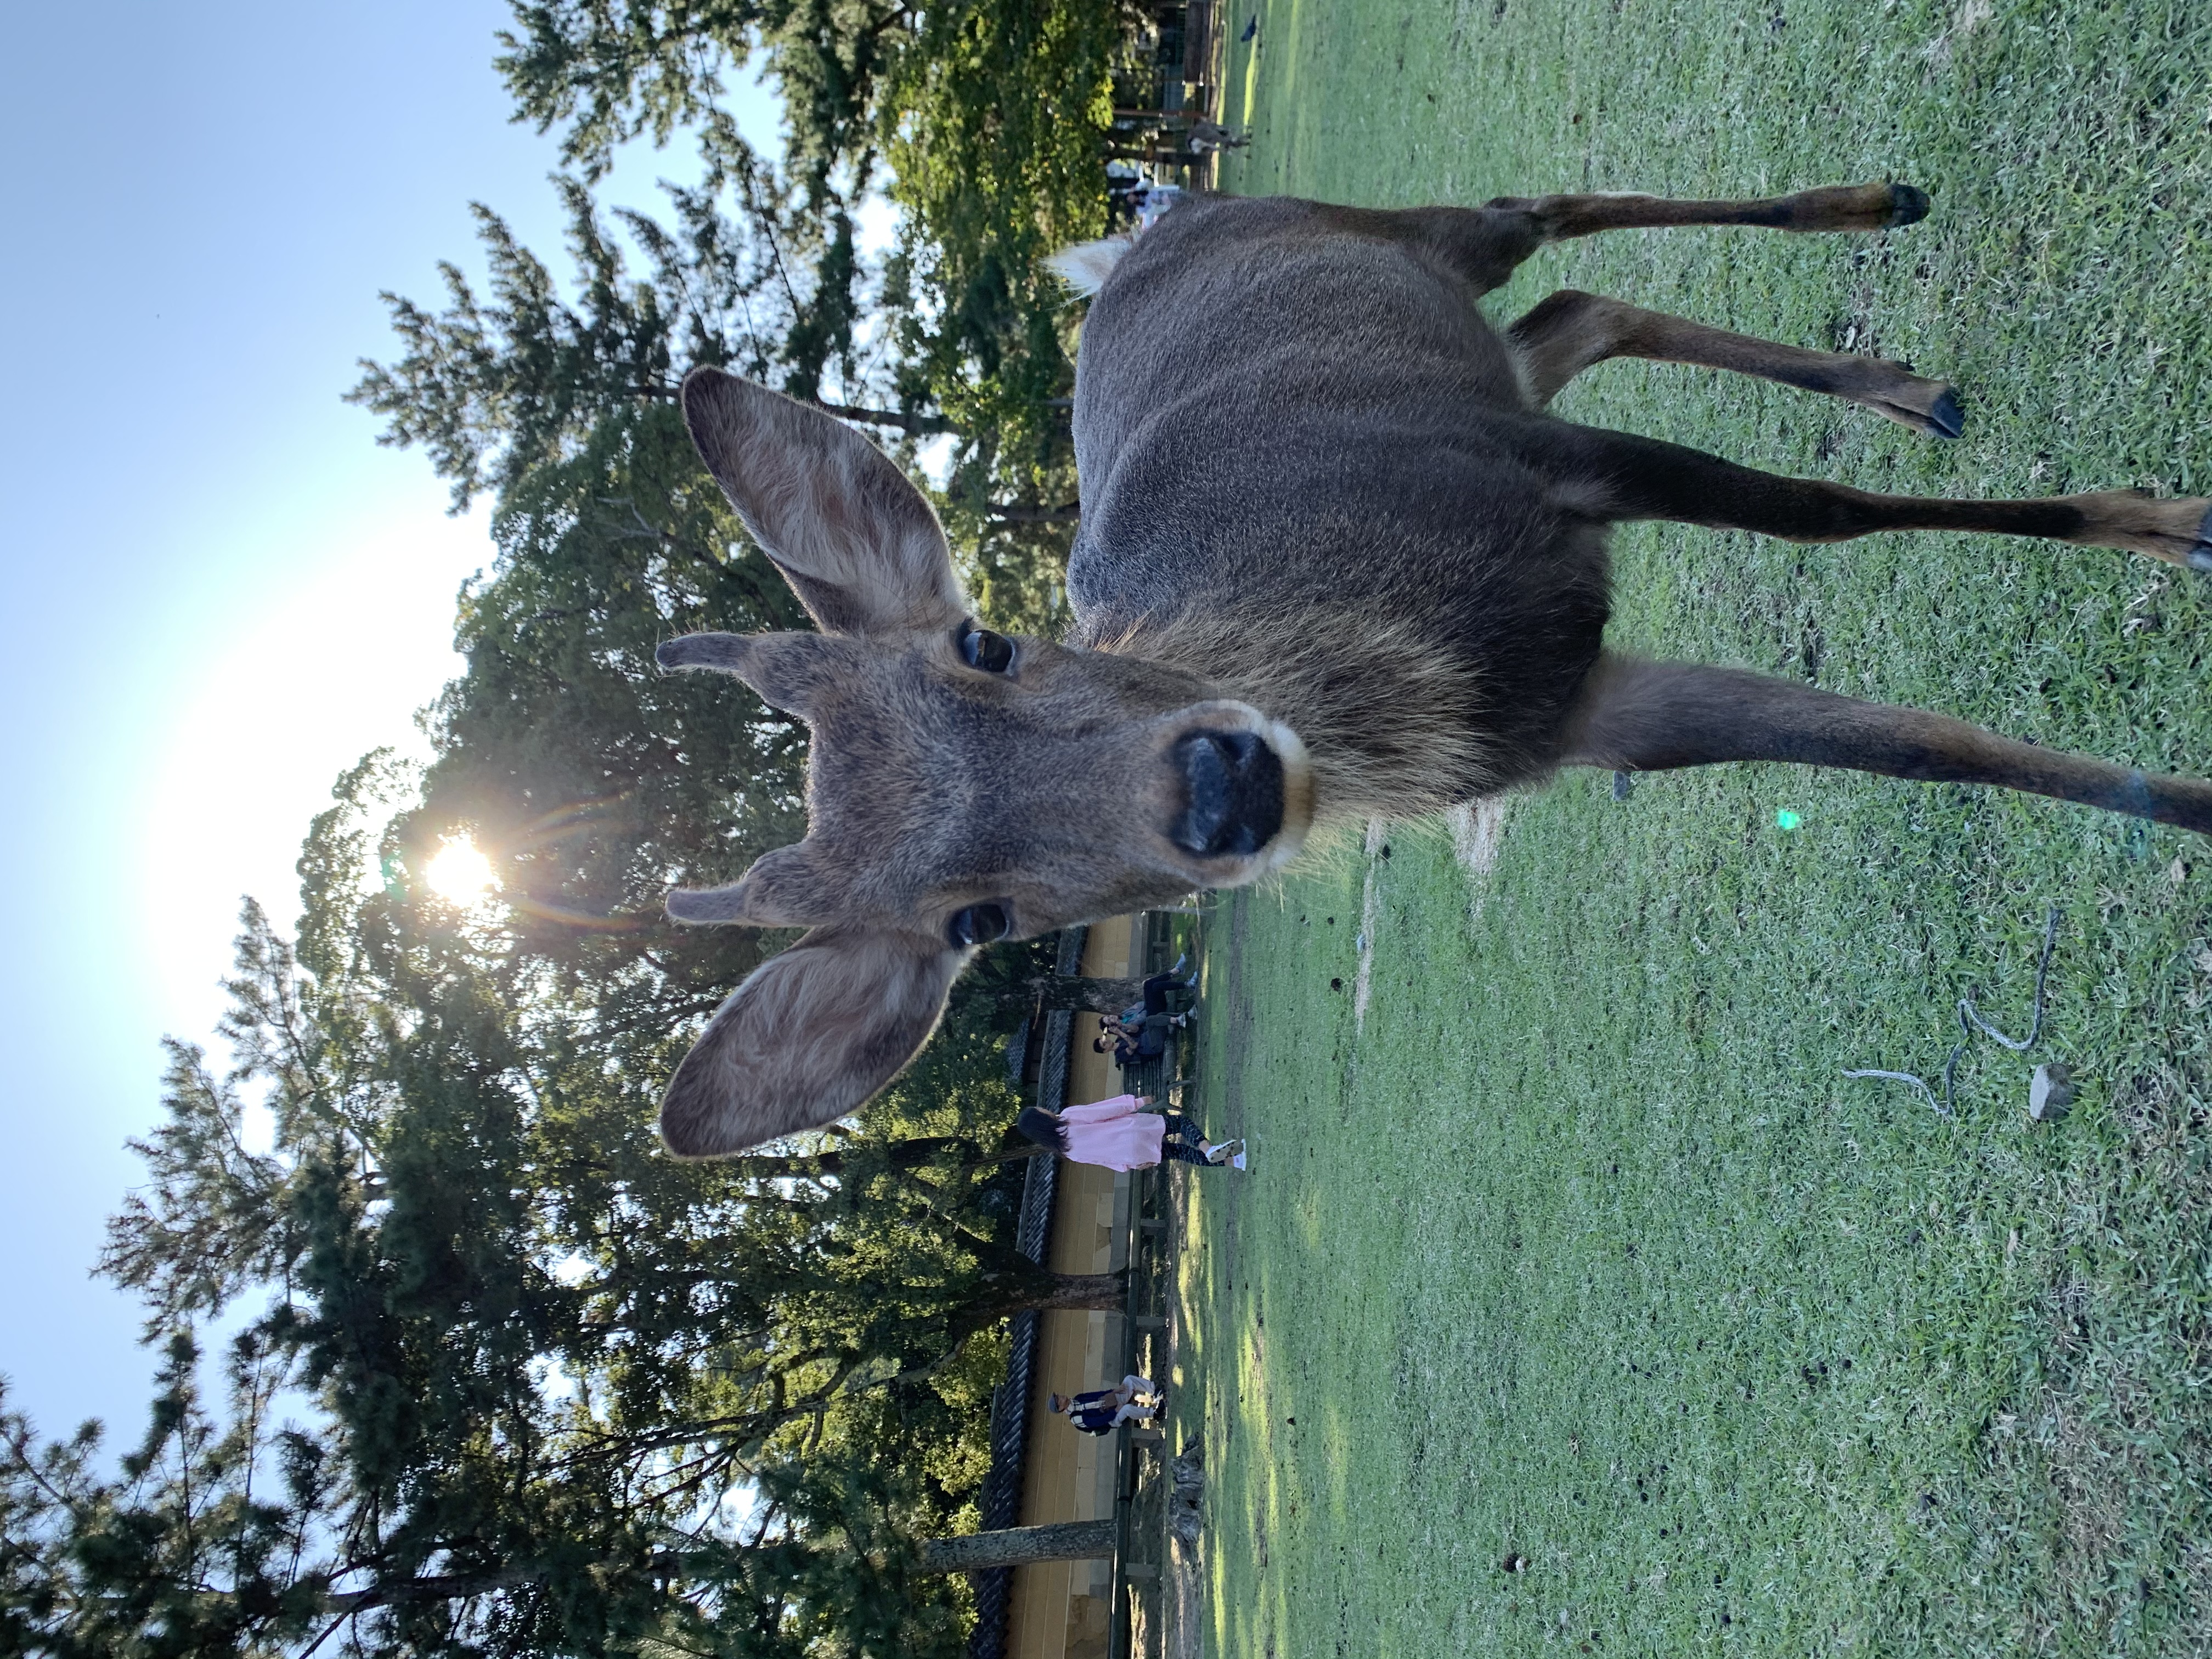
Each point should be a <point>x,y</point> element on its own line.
<point>1275,417</point>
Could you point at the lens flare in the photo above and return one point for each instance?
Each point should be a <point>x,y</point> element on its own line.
<point>460,872</point>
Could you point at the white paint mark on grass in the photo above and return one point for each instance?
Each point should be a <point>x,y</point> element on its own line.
<point>1364,941</point>
<point>1478,831</point>
<point>1970,16</point>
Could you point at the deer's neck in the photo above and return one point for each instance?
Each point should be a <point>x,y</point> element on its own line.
<point>1392,720</point>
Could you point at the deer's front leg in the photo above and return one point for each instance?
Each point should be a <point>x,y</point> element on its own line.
<point>1617,476</point>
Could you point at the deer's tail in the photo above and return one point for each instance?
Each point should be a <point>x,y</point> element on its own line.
<point>1085,266</point>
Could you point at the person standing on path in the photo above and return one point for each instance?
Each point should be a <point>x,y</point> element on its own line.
<point>1119,1134</point>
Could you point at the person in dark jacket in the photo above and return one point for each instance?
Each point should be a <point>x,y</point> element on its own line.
<point>1164,993</point>
<point>1129,1042</point>
<point>1103,1410</point>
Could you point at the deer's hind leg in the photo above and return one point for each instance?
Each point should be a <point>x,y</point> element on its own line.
<point>1573,331</point>
<point>1484,245</point>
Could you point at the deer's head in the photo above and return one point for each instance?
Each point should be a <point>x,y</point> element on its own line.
<point>963,786</point>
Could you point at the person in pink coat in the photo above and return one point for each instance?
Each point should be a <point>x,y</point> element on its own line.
<point>1119,1134</point>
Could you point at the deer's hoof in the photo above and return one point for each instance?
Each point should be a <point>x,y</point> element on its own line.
<point>2200,556</point>
<point>1908,204</point>
<point>1941,415</point>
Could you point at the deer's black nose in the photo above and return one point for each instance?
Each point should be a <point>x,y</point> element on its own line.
<point>1232,793</point>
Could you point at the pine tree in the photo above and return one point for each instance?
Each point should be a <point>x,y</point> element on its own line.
<point>991,117</point>
<point>517,1381</point>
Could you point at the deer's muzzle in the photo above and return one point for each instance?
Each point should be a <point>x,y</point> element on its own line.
<point>1232,793</point>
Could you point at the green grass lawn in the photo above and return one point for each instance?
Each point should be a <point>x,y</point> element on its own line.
<point>1576,1250</point>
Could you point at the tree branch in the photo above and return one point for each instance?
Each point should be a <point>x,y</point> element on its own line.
<point>451,1587</point>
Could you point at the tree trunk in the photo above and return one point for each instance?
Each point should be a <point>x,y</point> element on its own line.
<point>1071,991</point>
<point>903,1155</point>
<point>915,424</point>
<point>1091,1291</point>
<point>975,1551</point>
<point>1020,1286</point>
<point>1031,1288</point>
<point>348,1602</point>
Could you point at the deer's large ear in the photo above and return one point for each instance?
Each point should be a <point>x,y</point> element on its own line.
<point>808,1037</point>
<point>854,539</point>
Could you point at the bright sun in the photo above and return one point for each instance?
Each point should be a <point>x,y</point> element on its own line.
<point>460,872</point>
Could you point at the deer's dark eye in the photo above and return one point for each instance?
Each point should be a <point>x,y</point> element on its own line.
<point>992,653</point>
<point>979,924</point>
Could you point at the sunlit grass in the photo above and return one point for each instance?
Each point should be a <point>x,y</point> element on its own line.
<point>1575,1300</point>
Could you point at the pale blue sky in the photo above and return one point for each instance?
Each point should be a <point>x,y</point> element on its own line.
<point>219,591</point>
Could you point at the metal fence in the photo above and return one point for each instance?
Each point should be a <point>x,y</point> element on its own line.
<point>1140,1454</point>
<point>1146,1247</point>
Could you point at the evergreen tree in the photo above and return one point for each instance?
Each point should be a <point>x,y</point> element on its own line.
<point>220,1538</point>
<point>493,388</point>
<point>593,781</point>
<point>993,120</point>
<point>501,1377</point>
<point>993,117</point>
<point>551,1390</point>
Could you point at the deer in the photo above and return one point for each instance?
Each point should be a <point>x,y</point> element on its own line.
<point>1387,597</point>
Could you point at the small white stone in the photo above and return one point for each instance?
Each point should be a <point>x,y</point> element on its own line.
<point>2051,1092</point>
